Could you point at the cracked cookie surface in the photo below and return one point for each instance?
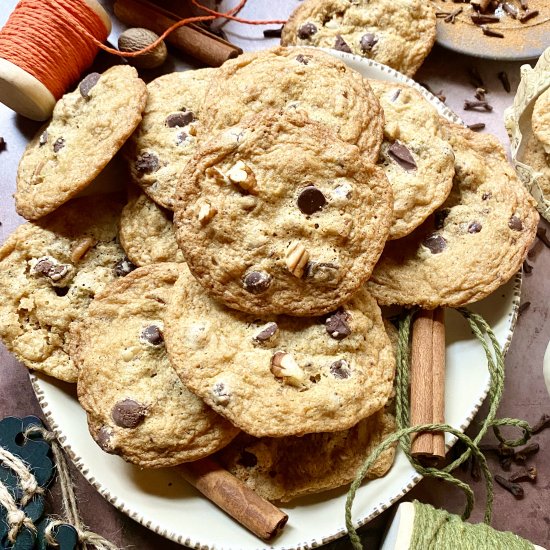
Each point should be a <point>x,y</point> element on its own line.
<point>398,33</point>
<point>280,216</point>
<point>88,127</point>
<point>473,244</point>
<point>167,136</point>
<point>50,270</point>
<point>280,375</point>
<point>299,79</point>
<point>136,404</point>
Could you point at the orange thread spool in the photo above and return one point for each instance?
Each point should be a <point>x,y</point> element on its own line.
<point>45,46</point>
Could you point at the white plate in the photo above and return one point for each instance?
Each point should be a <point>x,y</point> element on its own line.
<point>163,502</point>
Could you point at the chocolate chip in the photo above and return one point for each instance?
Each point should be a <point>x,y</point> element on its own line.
<point>311,200</point>
<point>248,459</point>
<point>43,138</point>
<point>220,393</point>
<point>367,42</point>
<point>51,269</point>
<point>515,223</point>
<point>153,335</point>
<point>43,266</point>
<point>103,438</point>
<point>181,138</point>
<point>267,332</point>
<point>146,163</point>
<point>440,216</point>
<point>87,84</point>
<point>486,196</point>
<point>321,272</point>
<point>57,272</point>
<point>395,95</point>
<point>123,267</point>
<point>340,369</point>
<point>128,413</point>
<point>474,227</point>
<point>401,154</point>
<point>59,144</point>
<point>341,45</point>
<point>435,243</point>
<point>306,30</point>
<point>337,326</point>
<point>180,119</point>
<point>257,281</point>
<point>302,59</point>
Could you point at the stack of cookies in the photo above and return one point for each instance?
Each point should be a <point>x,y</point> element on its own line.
<point>230,304</point>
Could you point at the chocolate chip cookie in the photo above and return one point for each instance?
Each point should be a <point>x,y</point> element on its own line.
<point>50,270</point>
<point>535,156</point>
<point>541,120</point>
<point>473,244</point>
<point>167,136</point>
<point>278,375</point>
<point>280,216</point>
<point>298,79</point>
<point>137,406</point>
<point>418,163</point>
<point>146,231</point>
<point>88,127</point>
<point>282,469</point>
<point>399,33</point>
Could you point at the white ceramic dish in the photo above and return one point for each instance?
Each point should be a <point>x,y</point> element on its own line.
<point>163,502</point>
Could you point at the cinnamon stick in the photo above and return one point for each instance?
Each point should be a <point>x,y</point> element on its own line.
<point>257,514</point>
<point>428,382</point>
<point>191,39</point>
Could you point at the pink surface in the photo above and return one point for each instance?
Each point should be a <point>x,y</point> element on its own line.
<point>525,394</point>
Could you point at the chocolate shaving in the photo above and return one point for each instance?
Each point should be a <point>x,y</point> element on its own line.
<point>503,77</point>
<point>401,154</point>
<point>528,15</point>
<point>477,106</point>
<point>523,308</point>
<point>273,33</point>
<point>476,126</point>
<point>541,424</point>
<point>514,488</point>
<point>541,234</point>
<point>490,32</point>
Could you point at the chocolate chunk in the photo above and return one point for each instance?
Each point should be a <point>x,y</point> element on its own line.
<point>146,163</point>
<point>515,223</point>
<point>474,227</point>
<point>248,459</point>
<point>306,30</point>
<point>43,138</point>
<point>486,196</point>
<point>311,200</point>
<point>103,438</point>
<point>440,216</point>
<point>123,267</point>
<point>267,332</point>
<point>435,243</point>
<point>59,144</point>
<point>302,59</point>
<point>87,84</point>
<point>153,335</point>
<point>181,119</point>
<point>43,266</point>
<point>341,44</point>
<point>51,269</point>
<point>368,41</point>
<point>340,369</point>
<point>337,326</point>
<point>257,281</point>
<point>401,154</point>
<point>128,413</point>
<point>321,272</point>
<point>181,138</point>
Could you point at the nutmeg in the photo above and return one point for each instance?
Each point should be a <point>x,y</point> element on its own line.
<point>133,40</point>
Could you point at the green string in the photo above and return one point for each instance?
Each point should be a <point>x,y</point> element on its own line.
<point>495,361</point>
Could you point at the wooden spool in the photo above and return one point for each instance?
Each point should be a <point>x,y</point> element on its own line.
<point>23,92</point>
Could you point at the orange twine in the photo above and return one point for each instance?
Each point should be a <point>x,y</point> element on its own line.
<point>57,40</point>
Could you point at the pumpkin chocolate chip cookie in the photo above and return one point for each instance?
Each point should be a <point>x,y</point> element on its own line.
<point>50,270</point>
<point>137,406</point>
<point>88,127</point>
<point>168,134</point>
<point>473,244</point>
<point>398,33</point>
<point>297,79</point>
<point>280,375</point>
<point>280,216</point>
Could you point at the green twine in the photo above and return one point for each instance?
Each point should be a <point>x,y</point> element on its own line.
<point>495,362</point>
